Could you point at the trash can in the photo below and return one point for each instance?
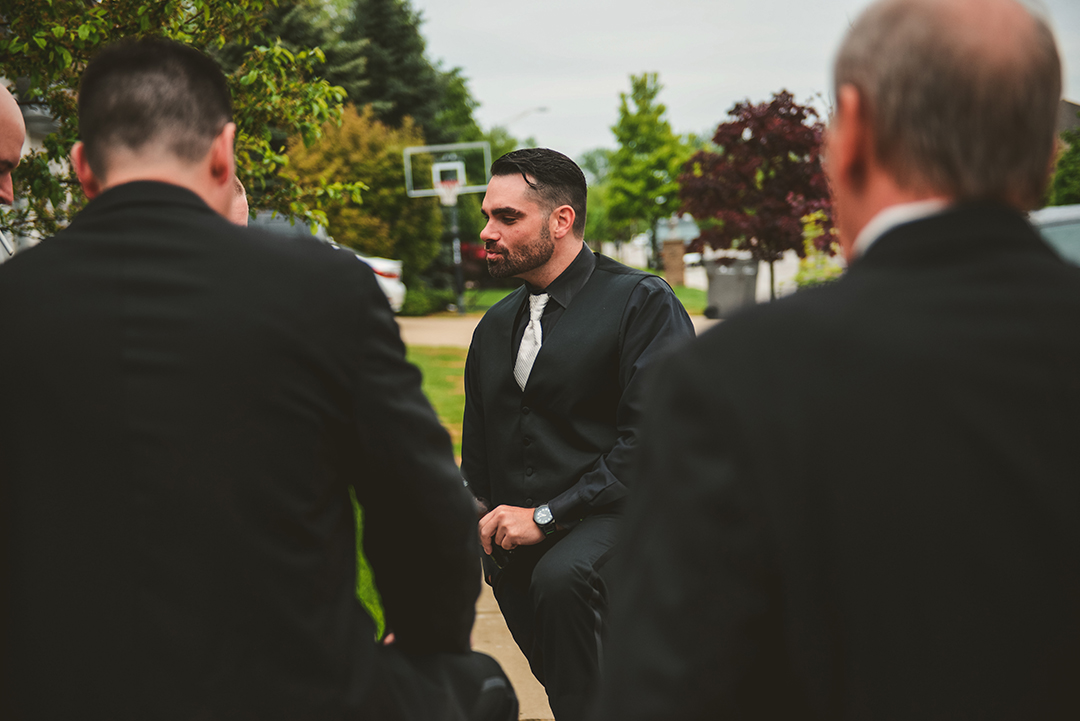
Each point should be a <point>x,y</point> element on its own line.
<point>732,285</point>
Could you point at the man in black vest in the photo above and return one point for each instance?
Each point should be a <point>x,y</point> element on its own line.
<point>185,415</point>
<point>553,404</point>
<point>863,502</point>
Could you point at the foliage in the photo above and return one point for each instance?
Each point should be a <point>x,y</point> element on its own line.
<point>596,164</point>
<point>765,175</point>
<point>299,25</point>
<point>366,590</point>
<point>400,81</point>
<point>454,121</point>
<point>598,225</point>
<point>1065,185</point>
<point>644,168</point>
<point>388,222</point>
<point>46,45</point>
<point>423,299</point>
<point>818,266</point>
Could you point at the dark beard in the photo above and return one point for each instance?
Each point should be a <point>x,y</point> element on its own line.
<point>525,259</point>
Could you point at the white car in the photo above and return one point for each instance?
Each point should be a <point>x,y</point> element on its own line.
<point>387,271</point>
<point>1060,227</point>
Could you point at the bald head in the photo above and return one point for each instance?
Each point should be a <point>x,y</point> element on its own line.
<point>961,95</point>
<point>12,135</point>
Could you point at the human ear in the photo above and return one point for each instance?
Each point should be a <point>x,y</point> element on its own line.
<point>221,165</point>
<point>91,184</point>
<point>849,142</point>
<point>562,221</point>
<point>222,160</point>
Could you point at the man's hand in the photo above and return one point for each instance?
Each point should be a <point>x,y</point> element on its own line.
<point>511,526</point>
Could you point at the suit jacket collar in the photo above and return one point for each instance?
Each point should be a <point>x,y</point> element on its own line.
<point>142,192</point>
<point>960,232</point>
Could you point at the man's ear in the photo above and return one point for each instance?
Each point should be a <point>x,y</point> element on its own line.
<point>222,160</point>
<point>850,144</point>
<point>91,184</point>
<point>562,221</point>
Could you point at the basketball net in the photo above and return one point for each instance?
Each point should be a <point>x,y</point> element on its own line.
<point>448,191</point>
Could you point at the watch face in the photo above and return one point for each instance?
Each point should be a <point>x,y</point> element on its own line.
<point>542,515</point>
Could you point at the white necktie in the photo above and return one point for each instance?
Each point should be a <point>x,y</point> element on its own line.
<point>530,342</point>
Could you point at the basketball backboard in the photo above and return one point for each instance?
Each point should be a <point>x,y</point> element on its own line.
<point>426,166</point>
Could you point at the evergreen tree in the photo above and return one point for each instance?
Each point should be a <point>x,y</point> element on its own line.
<point>400,81</point>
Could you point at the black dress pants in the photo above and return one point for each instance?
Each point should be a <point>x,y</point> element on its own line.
<point>554,597</point>
<point>439,687</point>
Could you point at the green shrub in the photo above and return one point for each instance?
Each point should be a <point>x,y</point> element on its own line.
<point>422,299</point>
<point>818,266</point>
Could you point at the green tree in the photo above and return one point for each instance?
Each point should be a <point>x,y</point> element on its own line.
<point>388,222</point>
<point>400,81</point>
<point>1065,185</point>
<point>643,171</point>
<point>596,164</point>
<point>300,25</point>
<point>47,45</point>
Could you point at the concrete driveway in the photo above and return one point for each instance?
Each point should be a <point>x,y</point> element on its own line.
<point>456,331</point>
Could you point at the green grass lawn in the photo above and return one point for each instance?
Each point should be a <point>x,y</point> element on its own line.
<point>444,385</point>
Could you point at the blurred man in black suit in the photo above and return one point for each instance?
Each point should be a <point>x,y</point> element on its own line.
<point>863,502</point>
<point>183,414</point>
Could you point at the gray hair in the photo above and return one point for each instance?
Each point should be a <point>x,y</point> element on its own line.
<point>967,115</point>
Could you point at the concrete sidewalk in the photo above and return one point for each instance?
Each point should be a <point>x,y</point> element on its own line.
<point>456,331</point>
<point>490,634</point>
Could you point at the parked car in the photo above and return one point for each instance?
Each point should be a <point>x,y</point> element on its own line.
<point>1060,226</point>
<point>387,271</point>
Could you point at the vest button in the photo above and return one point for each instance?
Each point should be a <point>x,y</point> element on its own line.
<point>528,502</point>
<point>525,411</point>
<point>528,471</point>
<point>526,440</point>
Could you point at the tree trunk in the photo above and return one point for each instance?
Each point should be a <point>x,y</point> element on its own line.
<point>772,280</point>
<point>654,257</point>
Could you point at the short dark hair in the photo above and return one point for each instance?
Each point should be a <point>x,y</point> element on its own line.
<point>554,178</point>
<point>943,113</point>
<point>151,90</point>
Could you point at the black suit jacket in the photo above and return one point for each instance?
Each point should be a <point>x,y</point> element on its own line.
<point>184,408</point>
<point>864,502</point>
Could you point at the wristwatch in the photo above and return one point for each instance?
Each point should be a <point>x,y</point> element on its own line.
<point>543,518</point>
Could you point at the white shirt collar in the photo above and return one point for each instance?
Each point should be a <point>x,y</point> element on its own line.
<point>893,216</point>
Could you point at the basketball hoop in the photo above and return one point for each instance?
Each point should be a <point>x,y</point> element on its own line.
<point>448,191</point>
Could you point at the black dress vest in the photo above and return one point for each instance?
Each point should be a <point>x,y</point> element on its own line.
<point>540,441</point>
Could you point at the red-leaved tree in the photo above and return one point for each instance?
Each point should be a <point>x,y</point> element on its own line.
<point>765,176</point>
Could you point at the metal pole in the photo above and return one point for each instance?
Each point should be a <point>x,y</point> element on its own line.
<point>459,274</point>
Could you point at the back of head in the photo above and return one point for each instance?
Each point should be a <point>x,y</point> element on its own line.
<point>151,93</point>
<point>962,95</point>
<point>12,135</point>
<point>554,178</point>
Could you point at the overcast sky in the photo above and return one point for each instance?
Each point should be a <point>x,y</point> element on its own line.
<point>574,57</point>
